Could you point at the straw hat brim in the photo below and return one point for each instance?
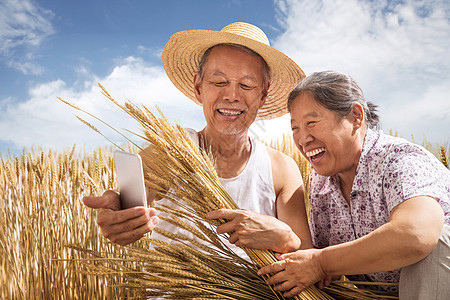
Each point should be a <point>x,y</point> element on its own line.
<point>183,52</point>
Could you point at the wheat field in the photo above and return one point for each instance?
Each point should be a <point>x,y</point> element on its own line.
<point>44,223</point>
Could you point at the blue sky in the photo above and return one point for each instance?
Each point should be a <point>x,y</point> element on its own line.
<point>396,50</point>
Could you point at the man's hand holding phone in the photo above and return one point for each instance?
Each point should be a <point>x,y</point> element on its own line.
<point>124,226</point>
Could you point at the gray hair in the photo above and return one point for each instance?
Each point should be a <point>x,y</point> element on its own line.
<point>201,65</point>
<point>336,92</point>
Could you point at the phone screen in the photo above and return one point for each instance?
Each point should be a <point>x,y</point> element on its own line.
<point>130,178</point>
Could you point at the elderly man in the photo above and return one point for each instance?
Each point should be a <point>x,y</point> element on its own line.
<point>237,78</point>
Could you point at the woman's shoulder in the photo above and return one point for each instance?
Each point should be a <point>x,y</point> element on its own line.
<point>390,149</point>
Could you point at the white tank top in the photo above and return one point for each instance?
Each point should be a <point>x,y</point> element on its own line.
<point>252,190</point>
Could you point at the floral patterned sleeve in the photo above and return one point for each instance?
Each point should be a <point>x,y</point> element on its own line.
<point>413,171</point>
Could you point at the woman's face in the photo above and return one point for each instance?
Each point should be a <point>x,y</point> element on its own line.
<point>327,141</point>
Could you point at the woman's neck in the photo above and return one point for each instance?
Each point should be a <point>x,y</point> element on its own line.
<point>347,176</point>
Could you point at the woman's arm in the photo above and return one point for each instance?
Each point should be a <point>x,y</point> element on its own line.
<point>411,234</point>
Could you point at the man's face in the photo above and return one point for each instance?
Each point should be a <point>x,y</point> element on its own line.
<point>231,91</point>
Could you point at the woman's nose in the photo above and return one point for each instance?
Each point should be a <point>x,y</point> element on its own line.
<point>303,138</point>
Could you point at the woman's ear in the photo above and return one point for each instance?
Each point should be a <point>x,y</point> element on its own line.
<point>357,115</point>
<point>197,84</point>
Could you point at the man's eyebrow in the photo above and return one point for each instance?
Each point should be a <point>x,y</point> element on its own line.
<point>251,77</point>
<point>220,73</point>
<point>217,72</point>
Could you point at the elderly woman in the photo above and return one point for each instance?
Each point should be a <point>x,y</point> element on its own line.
<point>380,205</point>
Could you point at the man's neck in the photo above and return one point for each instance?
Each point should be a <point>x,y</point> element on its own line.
<point>230,152</point>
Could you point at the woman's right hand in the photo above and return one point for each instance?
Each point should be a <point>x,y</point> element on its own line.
<point>122,227</point>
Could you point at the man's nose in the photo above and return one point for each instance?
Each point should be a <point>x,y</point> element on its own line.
<point>232,91</point>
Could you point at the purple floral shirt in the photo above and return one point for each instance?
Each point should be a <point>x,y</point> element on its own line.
<point>390,171</point>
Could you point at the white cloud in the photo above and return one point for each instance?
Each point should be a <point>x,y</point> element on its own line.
<point>23,27</point>
<point>45,121</point>
<point>152,51</point>
<point>397,51</point>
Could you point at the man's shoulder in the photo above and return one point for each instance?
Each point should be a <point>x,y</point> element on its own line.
<point>284,167</point>
<point>279,158</point>
<point>193,134</point>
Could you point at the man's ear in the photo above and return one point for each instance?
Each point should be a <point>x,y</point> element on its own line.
<point>264,95</point>
<point>357,115</point>
<point>197,84</point>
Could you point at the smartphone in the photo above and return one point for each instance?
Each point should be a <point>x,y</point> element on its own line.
<point>130,177</point>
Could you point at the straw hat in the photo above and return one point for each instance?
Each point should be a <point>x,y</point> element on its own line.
<point>182,53</point>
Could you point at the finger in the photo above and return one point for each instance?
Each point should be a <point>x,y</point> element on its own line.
<point>234,237</point>
<point>244,242</point>
<point>107,217</point>
<point>294,291</point>
<point>151,211</point>
<point>222,214</point>
<point>284,286</point>
<point>272,268</point>
<point>110,199</point>
<point>277,279</point>
<point>130,225</point>
<point>320,284</point>
<point>129,237</point>
<point>280,256</point>
<point>228,227</point>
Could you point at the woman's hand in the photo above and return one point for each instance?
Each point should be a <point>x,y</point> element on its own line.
<point>256,231</point>
<point>295,271</point>
<point>122,227</point>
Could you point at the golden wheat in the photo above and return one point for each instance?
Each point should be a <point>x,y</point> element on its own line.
<point>40,213</point>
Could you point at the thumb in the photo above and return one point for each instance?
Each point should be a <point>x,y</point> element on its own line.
<point>109,200</point>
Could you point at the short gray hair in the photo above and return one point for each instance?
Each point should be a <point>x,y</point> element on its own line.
<point>336,92</point>
<point>201,65</point>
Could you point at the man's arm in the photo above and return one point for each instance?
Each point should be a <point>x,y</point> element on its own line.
<point>290,203</point>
